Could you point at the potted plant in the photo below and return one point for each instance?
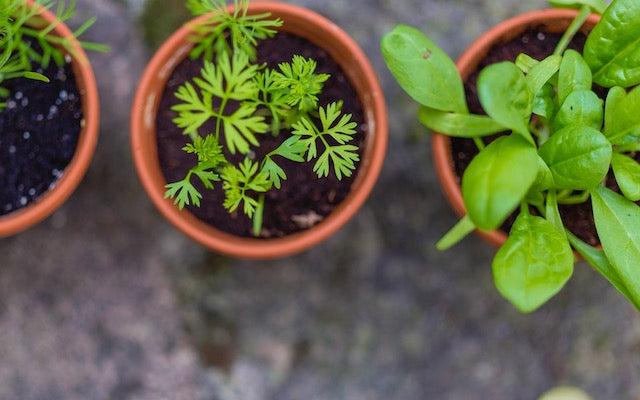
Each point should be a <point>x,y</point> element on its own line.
<point>258,129</point>
<point>48,111</point>
<point>540,111</point>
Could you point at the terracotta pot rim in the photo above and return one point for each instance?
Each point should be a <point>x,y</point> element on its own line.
<point>50,201</point>
<point>467,64</point>
<point>143,117</point>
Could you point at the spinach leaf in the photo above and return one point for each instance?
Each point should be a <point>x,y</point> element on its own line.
<point>613,47</point>
<point>544,103</point>
<point>627,172</point>
<point>423,70</point>
<point>598,6</point>
<point>544,179</point>
<point>459,125</point>
<point>580,108</point>
<point>542,72</point>
<point>498,179</point>
<point>618,224</point>
<point>622,114</point>
<point>598,260</point>
<point>575,75</point>
<point>534,263</point>
<point>578,156</point>
<point>525,62</point>
<point>506,97</point>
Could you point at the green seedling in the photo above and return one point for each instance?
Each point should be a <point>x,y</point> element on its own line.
<point>561,141</point>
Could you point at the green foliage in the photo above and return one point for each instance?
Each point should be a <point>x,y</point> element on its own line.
<point>613,49</point>
<point>300,83</point>
<point>534,263</point>
<point>240,182</point>
<point>229,32</point>
<point>19,30</point>
<point>498,179</point>
<point>423,70</point>
<point>558,142</point>
<point>335,133</point>
<point>241,101</point>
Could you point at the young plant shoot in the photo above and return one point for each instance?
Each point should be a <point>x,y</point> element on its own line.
<point>26,44</point>
<point>244,101</point>
<point>560,143</point>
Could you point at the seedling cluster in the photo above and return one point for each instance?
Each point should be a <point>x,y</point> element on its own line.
<point>28,44</point>
<point>562,140</point>
<point>246,100</point>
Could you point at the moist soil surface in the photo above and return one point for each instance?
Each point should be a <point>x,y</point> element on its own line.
<point>539,45</point>
<point>39,132</point>
<point>304,200</point>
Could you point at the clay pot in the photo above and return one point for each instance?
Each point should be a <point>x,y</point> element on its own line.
<point>50,201</point>
<point>298,21</point>
<point>552,21</point>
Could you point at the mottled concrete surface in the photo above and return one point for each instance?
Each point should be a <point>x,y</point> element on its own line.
<point>105,300</point>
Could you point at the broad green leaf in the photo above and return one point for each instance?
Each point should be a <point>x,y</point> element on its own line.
<point>542,72</point>
<point>534,263</point>
<point>578,157</point>
<point>618,225</point>
<point>598,6</point>
<point>623,117</point>
<point>575,75</point>
<point>598,260</point>
<point>544,103</point>
<point>506,97</point>
<point>423,70</point>
<point>544,179</point>
<point>525,62</point>
<point>459,125</point>
<point>627,172</point>
<point>498,179</point>
<point>461,230</point>
<point>613,47</point>
<point>580,108</point>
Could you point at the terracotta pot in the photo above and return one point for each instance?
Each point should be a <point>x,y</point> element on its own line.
<point>344,50</point>
<point>553,21</point>
<point>50,201</point>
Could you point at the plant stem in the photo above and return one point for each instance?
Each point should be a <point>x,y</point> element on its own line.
<point>577,199</point>
<point>223,105</point>
<point>479,143</point>
<point>258,217</point>
<point>573,29</point>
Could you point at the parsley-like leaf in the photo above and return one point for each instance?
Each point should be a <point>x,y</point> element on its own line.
<point>238,183</point>
<point>336,132</point>
<point>227,32</point>
<point>301,82</point>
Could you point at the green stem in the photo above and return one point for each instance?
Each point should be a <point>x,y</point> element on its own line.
<point>479,143</point>
<point>577,199</point>
<point>258,217</point>
<point>221,109</point>
<point>573,29</point>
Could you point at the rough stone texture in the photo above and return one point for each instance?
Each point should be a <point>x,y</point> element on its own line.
<point>105,300</point>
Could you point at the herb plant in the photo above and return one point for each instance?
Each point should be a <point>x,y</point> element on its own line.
<point>245,100</point>
<point>561,142</point>
<point>18,34</point>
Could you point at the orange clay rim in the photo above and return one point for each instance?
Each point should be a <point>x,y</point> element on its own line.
<point>553,20</point>
<point>344,50</point>
<point>50,201</point>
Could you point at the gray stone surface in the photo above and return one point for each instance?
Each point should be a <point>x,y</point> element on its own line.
<point>105,300</point>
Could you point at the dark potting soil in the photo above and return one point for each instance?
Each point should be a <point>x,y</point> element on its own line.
<point>539,45</point>
<point>304,200</point>
<point>39,132</point>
